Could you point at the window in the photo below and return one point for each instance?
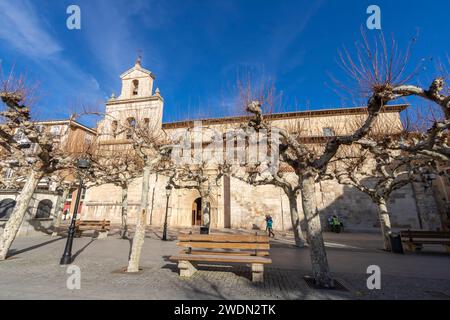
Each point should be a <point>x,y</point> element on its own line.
<point>328,132</point>
<point>131,127</point>
<point>114,127</point>
<point>55,130</point>
<point>6,208</point>
<point>135,87</point>
<point>44,208</point>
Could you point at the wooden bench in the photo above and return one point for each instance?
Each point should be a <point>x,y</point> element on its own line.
<point>101,226</point>
<point>223,248</point>
<point>415,239</point>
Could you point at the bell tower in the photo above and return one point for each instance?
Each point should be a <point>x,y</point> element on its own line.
<point>137,104</point>
<point>137,82</point>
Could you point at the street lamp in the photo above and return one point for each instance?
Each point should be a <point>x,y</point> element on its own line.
<point>168,191</point>
<point>82,164</point>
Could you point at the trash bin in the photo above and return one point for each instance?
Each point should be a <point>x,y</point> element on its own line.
<point>204,230</point>
<point>396,243</point>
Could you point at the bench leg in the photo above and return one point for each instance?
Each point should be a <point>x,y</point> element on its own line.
<point>414,247</point>
<point>410,246</point>
<point>186,269</point>
<point>257,272</point>
<point>102,235</point>
<point>447,248</point>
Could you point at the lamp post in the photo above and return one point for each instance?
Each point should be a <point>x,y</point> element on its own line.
<point>66,258</point>
<point>168,191</point>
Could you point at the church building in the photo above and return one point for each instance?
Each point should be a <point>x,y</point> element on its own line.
<point>235,204</point>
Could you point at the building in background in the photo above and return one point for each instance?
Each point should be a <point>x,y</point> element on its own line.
<point>71,136</point>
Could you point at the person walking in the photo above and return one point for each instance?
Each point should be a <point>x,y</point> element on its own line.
<point>269,225</point>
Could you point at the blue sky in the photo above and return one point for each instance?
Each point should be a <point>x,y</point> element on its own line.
<point>196,49</point>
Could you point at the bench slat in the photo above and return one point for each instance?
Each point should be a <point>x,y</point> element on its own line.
<point>259,253</point>
<point>95,225</point>
<point>224,245</point>
<point>92,228</point>
<point>425,234</point>
<point>217,258</point>
<point>415,241</point>
<point>223,238</point>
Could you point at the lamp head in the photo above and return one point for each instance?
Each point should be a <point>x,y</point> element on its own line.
<point>168,190</point>
<point>83,164</point>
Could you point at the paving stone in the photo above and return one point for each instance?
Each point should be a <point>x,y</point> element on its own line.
<point>34,272</point>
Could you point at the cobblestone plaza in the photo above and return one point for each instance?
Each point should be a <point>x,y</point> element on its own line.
<point>33,271</point>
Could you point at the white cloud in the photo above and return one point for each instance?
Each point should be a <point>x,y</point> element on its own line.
<point>21,27</point>
<point>25,30</point>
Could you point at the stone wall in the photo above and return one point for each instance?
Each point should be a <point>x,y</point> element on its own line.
<point>248,206</point>
<point>31,225</point>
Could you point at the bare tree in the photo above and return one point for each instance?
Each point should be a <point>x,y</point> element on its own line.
<point>120,169</point>
<point>31,148</point>
<point>149,144</point>
<point>378,172</point>
<point>283,178</point>
<point>144,141</point>
<point>64,182</point>
<point>309,166</point>
<point>200,177</point>
<point>380,70</point>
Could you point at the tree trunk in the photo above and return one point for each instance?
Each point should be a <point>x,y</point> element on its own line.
<point>139,234</point>
<point>385,223</point>
<point>15,220</point>
<point>319,262</point>
<point>153,200</point>
<point>124,226</point>
<point>295,219</point>
<point>59,211</point>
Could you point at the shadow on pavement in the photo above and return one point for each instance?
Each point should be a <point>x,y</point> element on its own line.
<point>82,249</point>
<point>15,252</point>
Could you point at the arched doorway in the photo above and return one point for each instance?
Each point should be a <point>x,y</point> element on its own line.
<point>44,208</point>
<point>197,212</point>
<point>6,208</point>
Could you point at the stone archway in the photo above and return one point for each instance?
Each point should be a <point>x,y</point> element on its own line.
<point>44,209</point>
<point>197,219</point>
<point>6,208</point>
